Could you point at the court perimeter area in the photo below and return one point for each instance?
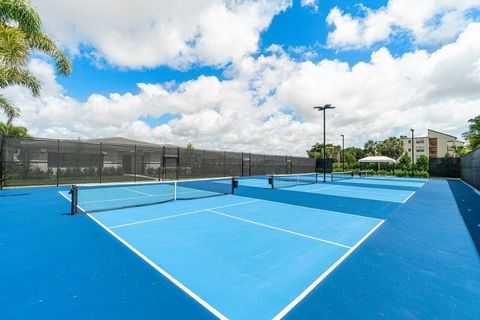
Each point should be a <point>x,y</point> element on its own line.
<point>369,248</point>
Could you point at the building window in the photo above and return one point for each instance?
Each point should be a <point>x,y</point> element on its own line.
<point>409,141</point>
<point>409,149</point>
<point>420,149</point>
<point>419,141</point>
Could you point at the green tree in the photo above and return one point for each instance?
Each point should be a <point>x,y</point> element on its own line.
<point>8,130</point>
<point>473,133</point>
<point>332,151</point>
<point>353,154</point>
<point>189,146</point>
<point>391,147</point>
<point>405,161</point>
<point>422,163</point>
<point>459,150</point>
<point>370,147</point>
<point>20,35</point>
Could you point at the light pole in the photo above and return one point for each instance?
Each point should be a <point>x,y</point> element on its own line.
<point>413,146</point>
<point>343,153</point>
<point>319,108</point>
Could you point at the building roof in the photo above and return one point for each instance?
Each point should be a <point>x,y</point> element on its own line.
<point>126,142</point>
<point>377,159</point>
<point>442,133</point>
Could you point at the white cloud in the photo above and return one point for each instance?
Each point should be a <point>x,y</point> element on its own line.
<point>144,33</point>
<point>310,3</point>
<point>246,112</point>
<point>429,22</point>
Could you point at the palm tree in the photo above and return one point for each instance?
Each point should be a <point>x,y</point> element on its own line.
<point>20,35</point>
<point>7,130</point>
<point>370,147</point>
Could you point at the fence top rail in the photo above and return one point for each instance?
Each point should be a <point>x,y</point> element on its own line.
<point>146,146</point>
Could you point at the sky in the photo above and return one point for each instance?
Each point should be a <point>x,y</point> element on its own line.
<point>245,75</point>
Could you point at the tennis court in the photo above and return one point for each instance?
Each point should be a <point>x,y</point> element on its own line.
<point>264,255</point>
<point>265,247</point>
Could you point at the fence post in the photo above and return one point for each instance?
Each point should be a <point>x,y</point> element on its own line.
<point>178,163</point>
<point>164,168</point>
<point>224,163</point>
<point>2,177</point>
<point>58,159</point>
<point>100,169</point>
<point>250,164</point>
<point>135,165</point>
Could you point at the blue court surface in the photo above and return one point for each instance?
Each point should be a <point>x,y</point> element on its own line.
<point>369,248</point>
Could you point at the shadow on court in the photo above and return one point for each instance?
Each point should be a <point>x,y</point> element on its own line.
<point>468,203</point>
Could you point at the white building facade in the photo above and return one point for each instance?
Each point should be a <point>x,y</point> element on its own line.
<point>435,145</point>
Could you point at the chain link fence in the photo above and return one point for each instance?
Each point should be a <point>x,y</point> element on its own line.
<point>35,161</point>
<point>470,164</point>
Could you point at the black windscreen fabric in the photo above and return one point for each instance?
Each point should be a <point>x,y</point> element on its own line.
<point>36,161</point>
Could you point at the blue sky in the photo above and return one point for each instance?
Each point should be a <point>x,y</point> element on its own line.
<point>244,75</point>
<point>295,27</point>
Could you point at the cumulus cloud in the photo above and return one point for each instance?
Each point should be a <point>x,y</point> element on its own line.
<point>264,104</point>
<point>429,22</point>
<point>144,33</point>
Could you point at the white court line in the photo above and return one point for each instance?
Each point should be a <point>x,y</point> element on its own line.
<point>192,294</point>
<point>408,197</point>
<point>473,188</point>
<point>181,214</point>
<point>309,289</point>
<point>163,272</point>
<point>280,229</point>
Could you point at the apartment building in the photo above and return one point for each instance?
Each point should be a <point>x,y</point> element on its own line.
<point>435,145</point>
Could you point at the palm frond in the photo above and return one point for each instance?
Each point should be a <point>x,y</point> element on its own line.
<point>14,48</point>
<point>40,41</point>
<point>19,76</point>
<point>10,110</point>
<point>22,13</point>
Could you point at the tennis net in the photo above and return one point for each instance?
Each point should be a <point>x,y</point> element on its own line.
<point>366,173</point>
<point>336,176</point>
<point>290,180</point>
<point>93,198</point>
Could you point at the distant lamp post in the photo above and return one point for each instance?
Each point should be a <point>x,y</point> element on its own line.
<point>343,153</point>
<point>320,108</point>
<point>413,159</point>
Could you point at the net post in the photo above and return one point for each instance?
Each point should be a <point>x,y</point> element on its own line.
<point>175,190</point>
<point>74,199</point>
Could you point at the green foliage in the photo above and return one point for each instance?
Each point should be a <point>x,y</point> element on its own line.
<point>459,150</point>
<point>332,151</point>
<point>189,146</point>
<point>392,147</point>
<point>370,148</point>
<point>405,161</point>
<point>8,130</point>
<point>422,163</point>
<point>20,36</point>
<point>473,133</point>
